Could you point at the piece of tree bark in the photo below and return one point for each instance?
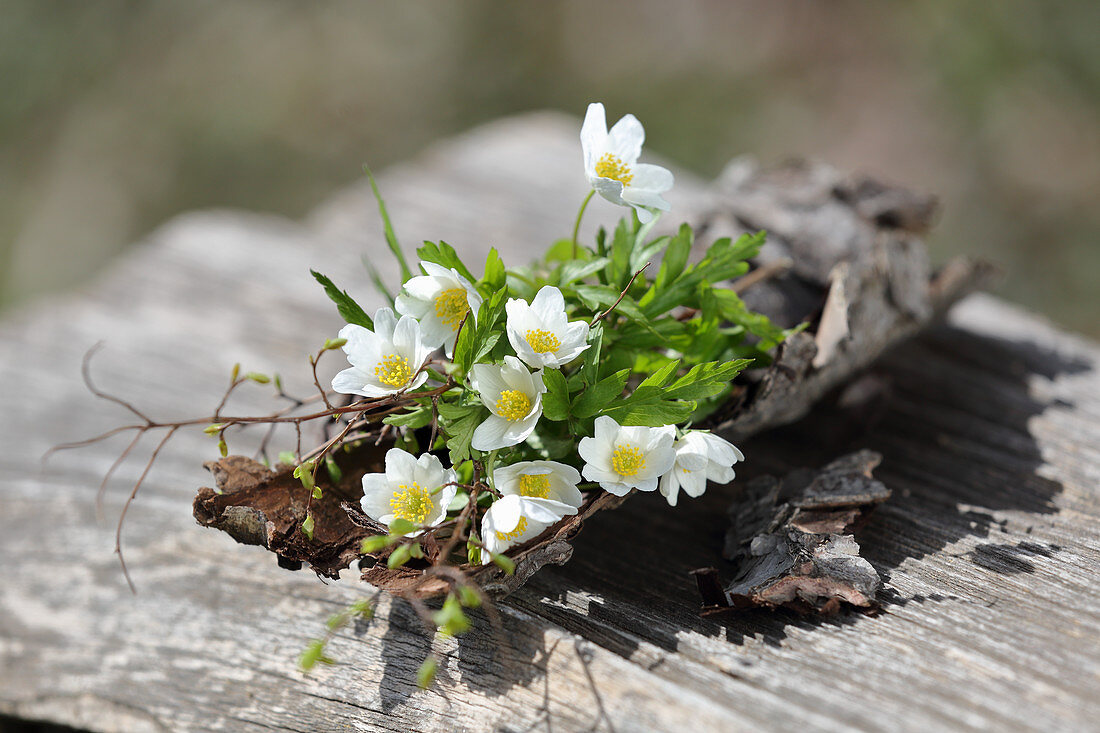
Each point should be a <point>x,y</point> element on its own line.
<point>859,278</point>
<point>792,542</point>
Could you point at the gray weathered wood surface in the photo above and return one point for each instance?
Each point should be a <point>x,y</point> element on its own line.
<point>989,428</point>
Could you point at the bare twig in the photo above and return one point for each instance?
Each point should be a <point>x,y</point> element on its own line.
<point>130,499</point>
<point>599,317</point>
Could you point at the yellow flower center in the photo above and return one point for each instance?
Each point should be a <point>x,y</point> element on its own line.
<point>412,503</point>
<point>509,536</point>
<point>513,404</point>
<point>536,485</point>
<point>451,306</point>
<point>627,460</point>
<point>612,166</point>
<point>543,342</point>
<point>393,370</point>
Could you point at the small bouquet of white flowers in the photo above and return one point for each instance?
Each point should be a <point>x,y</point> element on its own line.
<point>481,417</point>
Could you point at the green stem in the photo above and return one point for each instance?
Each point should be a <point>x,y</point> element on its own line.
<point>580,215</point>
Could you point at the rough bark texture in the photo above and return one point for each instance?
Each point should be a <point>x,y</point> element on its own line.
<point>989,430</point>
<point>791,539</point>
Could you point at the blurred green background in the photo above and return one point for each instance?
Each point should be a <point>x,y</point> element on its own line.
<point>115,115</point>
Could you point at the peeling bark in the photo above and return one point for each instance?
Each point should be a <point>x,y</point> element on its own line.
<point>791,541</point>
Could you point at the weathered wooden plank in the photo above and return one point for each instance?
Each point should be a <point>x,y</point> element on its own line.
<point>989,431</point>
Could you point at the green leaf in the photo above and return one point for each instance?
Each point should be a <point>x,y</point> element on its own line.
<point>334,472</point>
<point>400,527</point>
<point>458,423</point>
<point>646,253</point>
<point>590,368</point>
<point>473,551</point>
<point>400,555</point>
<point>451,619</point>
<point>578,269</point>
<point>257,377</point>
<point>621,245</point>
<point>375,543</point>
<point>307,526</point>
<point>662,400</point>
<point>676,257</point>
<point>313,654</point>
<point>347,307</point>
<point>562,251</point>
<point>600,395</point>
<point>468,596</point>
<point>416,418</point>
<point>426,674</point>
<point>555,401</point>
<point>444,255</point>
<point>332,344</point>
<point>504,562</point>
<point>387,227</point>
<point>495,275</point>
<point>288,458</point>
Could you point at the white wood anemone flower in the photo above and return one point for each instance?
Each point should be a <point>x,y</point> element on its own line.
<point>383,361</point>
<point>439,299</point>
<point>512,521</point>
<point>415,489</point>
<point>612,167</point>
<point>546,483</point>
<point>701,456</point>
<point>514,397</point>
<point>541,332</point>
<point>622,458</point>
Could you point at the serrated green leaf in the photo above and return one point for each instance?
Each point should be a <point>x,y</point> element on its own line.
<point>495,276</point>
<point>444,255</point>
<point>600,395</point>
<point>459,423</point>
<point>347,307</point>
<point>555,401</point>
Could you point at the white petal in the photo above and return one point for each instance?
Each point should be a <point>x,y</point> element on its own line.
<point>610,189</point>
<point>384,323</point>
<point>376,495</point>
<point>647,484</point>
<point>670,487</point>
<point>638,197</point>
<point>423,287</point>
<point>545,511</point>
<point>549,304</point>
<point>447,274</point>
<point>435,332</point>
<point>694,482</point>
<point>506,513</point>
<point>606,429</point>
<point>519,430</point>
<point>720,449</point>
<point>593,135</point>
<point>406,340</point>
<point>616,487</point>
<point>489,435</point>
<point>487,381</point>
<point>401,466</point>
<point>565,491</point>
<point>652,178</point>
<point>625,139</point>
<point>350,381</point>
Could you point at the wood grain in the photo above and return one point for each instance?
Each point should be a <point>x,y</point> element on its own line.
<point>989,428</point>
